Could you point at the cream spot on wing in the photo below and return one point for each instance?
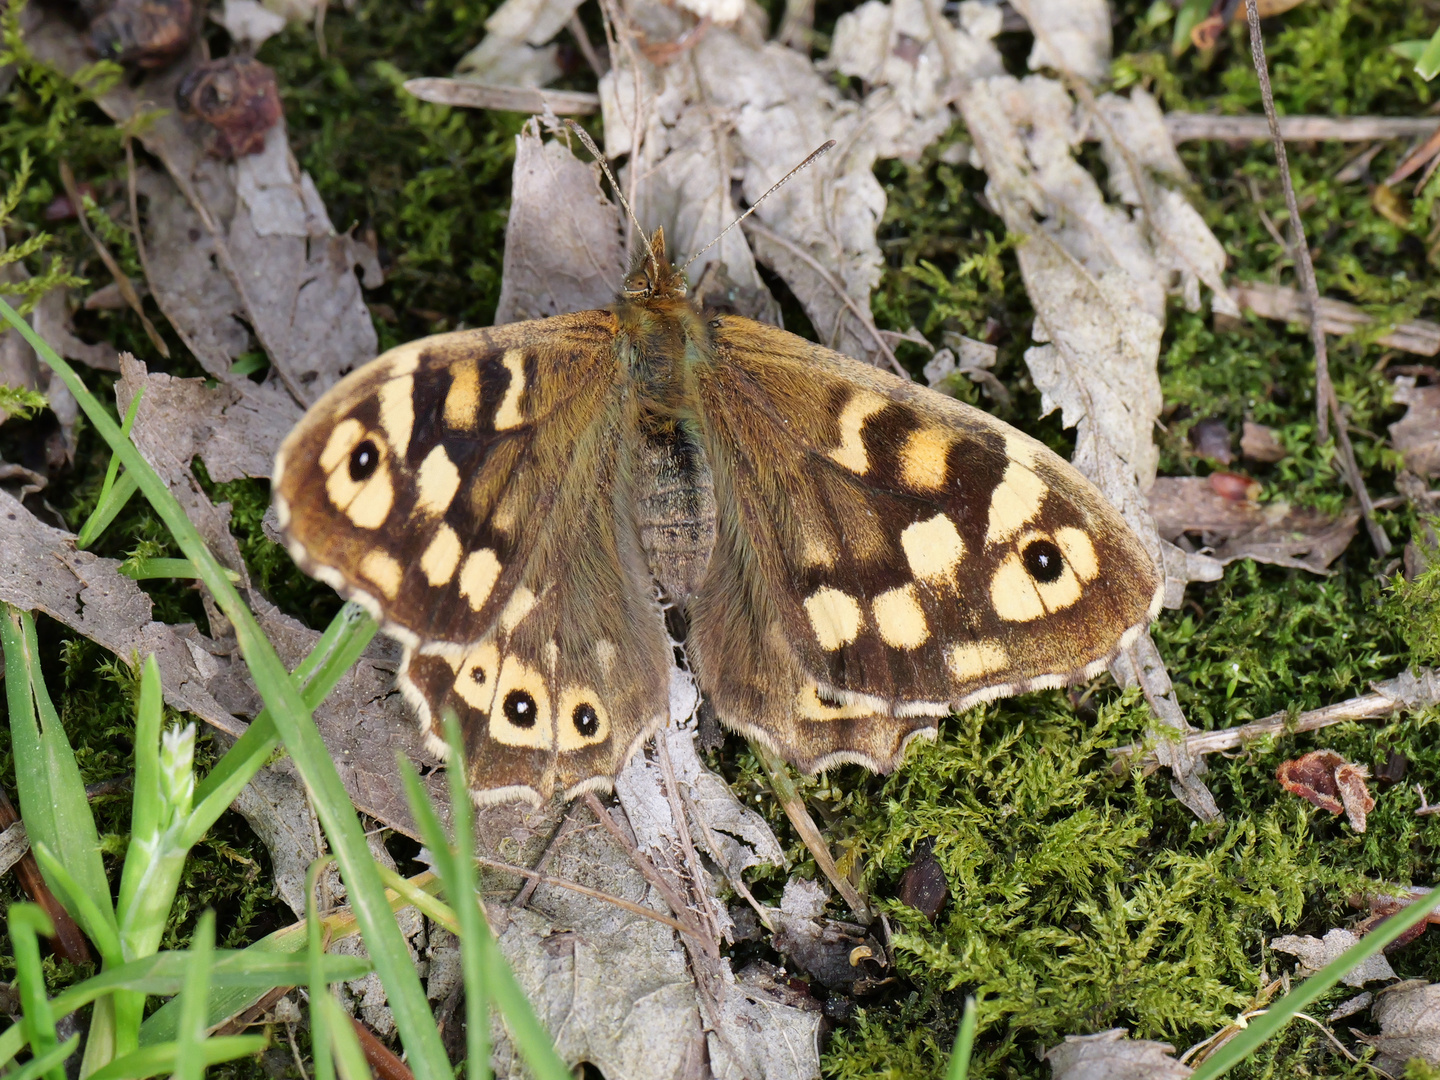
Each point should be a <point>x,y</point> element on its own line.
<point>816,549</point>
<point>809,706</point>
<point>441,556</point>
<point>462,400</point>
<point>1012,591</point>
<point>508,414</point>
<point>343,439</point>
<point>437,481</point>
<point>478,577</point>
<point>834,616</point>
<point>581,719</point>
<point>899,618</point>
<point>371,506</point>
<point>605,656</point>
<point>1014,503</point>
<point>522,602</point>
<point>933,547</point>
<point>520,714</point>
<point>404,359</point>
<point>383,572</point>
<point>851,450</point>
<point>397,411</point>
<point>475,676</point>
<point>1060,593</point>
<point>1019,447</point>
<point>977,659</point>
<point>925,462</point>
<point>1078,551</point>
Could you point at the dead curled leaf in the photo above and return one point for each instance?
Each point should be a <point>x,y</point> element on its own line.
<point>238,97</point>
<point>1231,527</point>
<point>146,33</point>
<point>1111,1055</point>
<point>1417,434</point>
<point>1326,779</point>
<point>1409,1018</point>
<point>1314,953</point>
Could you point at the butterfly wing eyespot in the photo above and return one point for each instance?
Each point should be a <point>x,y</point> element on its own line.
<point>1043,560</point>
<point>901,554</point>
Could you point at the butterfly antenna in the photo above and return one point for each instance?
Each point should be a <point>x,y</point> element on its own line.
<point>589,144</point>
<point>753,206</point>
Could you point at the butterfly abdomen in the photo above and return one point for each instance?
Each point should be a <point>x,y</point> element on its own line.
<point>674,507</point>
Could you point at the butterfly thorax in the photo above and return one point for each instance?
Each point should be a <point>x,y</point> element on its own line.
<point>661,336</point>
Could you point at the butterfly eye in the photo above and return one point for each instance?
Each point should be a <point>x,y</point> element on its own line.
<point>586,719</point>
<point>519,709</point>
<point>638,283</point>
<point>364,460</point>
<point>1043,561</point>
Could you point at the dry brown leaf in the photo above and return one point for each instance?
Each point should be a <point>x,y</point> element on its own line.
<point>615,990</point>
<point>562,241</point>
<point>1315,953</point>
<point>1231,528</point>
<point>1417,434</point>
<point>1111,1055</point>
<point>1070,35</point>
<point>291,276</point>
<point>515,49</point>
<point>1327,780</point>
<point>818,232</point>
<point>1409,1019</point>
<point>1258,443</point>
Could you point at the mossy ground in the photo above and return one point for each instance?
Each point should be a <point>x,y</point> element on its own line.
<point>1078,899</point>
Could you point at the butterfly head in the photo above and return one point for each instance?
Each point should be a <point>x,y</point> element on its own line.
<point>653,276</point>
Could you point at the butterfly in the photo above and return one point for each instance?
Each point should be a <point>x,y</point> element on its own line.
<point>533,510</point>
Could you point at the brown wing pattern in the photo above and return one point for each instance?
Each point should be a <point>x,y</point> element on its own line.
<point>890,556</point>
<point>464,488</point>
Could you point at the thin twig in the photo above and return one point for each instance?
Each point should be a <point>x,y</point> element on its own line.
<point>587,50</point>
<point>521,898</point>
<point>1326,403</point>
<point>752,225</point>
<point>648,870</point>
<point>794,807</point>
<point>1390,696</point>
<point>736,881</point>
<point>122,279</point>
<point>584,890</point>
<point>1190,127</point>
<point>682,828</point>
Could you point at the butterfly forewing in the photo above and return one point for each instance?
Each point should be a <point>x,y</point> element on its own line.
<point>465,489</point>
<point>898,553</point>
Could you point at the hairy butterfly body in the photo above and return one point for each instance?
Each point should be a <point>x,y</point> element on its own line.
<point>853,555</point>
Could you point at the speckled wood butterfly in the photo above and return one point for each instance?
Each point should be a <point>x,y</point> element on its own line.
<point>850,555</point>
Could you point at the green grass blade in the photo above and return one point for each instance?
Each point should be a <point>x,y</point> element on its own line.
<point>531,1039</point>
<point>349,1055</point>
<point>1427,65</point>
<point>320,1017</point>
<point>1188,17</point>
<point>155,1060</point>
<point>333,655</point>
<point>78,902</point>
<point>1279,1014</point>
<point>964,1044</point>
<point>46,1063</point>
<point>151,569</point>
<point>463,889</point>
<point>433,909</point>
<point>27,923</point>
<point>189,1054</point>
<point>52,794</point>
<point>113,496</point>
<point>108,509</point>
<point>386,945</point>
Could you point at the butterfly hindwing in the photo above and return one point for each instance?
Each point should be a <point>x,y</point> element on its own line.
<point>898,554</point>
<point>464,488</point>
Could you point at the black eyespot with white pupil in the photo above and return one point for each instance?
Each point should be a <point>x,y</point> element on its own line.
<point>1043,561</point>
<point>364,460</point>
<point>586,719</point>
<point>477,675</point>
<point>519,708</point>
